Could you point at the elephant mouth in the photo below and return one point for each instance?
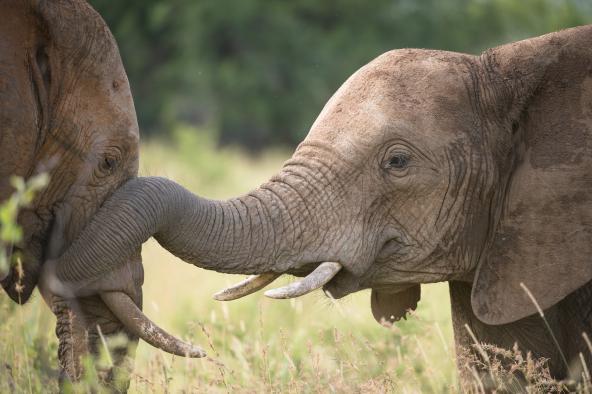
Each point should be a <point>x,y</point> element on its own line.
<point>315,276</point>
<point>335,281</point>
<point>27,257</point>
<point>21,278</point>
<point>333,277</point>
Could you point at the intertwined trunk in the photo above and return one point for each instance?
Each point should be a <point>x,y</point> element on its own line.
<point>267,230</point>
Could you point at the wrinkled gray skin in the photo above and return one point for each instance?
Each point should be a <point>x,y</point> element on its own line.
<point>66,109</point>
<point>425,166</point>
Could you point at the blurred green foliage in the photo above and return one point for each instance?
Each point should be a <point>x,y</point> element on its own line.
<point>259,71</point>
<point>10,231</point>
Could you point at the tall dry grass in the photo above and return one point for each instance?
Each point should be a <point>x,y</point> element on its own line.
<point>310,344</point>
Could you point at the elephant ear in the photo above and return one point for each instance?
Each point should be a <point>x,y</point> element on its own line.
<point>543,241</point>
<point>387,308</point>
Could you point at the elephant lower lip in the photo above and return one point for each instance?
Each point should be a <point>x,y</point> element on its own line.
<point>21,278</point>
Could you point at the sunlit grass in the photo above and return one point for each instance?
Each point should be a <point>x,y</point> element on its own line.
<point>311,344</point>
<point>305,344</point>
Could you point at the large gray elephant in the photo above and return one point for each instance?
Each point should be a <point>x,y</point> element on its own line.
<point>66,109</point>
<point>425,166</point>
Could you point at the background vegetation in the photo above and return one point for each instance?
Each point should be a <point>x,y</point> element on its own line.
<point>214,81</point>
<point>310,344</point>
<point>259,71</point>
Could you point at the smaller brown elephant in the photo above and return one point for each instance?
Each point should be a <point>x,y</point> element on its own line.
<point>425,166</point>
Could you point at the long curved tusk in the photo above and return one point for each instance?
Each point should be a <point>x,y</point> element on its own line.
<point>316,279</point>
<point>248,286</point>
<point>140,325</point>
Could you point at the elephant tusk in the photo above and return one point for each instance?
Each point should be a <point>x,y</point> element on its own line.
<point>248,286</point>
<point>140,325</point>
<point>316,279</point>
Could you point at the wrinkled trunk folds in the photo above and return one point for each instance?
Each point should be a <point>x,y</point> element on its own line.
<point>247,235</point>
<point>261,232</point>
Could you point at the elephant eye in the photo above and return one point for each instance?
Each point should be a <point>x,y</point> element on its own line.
<point>399,161</point>
<point>108,165</point>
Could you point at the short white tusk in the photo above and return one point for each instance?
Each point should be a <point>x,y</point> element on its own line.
<point>248,286</point>
<point>316,279</point>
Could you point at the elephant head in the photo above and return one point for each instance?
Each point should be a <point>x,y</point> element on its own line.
<point>425,166</point>
<point>66,109</point>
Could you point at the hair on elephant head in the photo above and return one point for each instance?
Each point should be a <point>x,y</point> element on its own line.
<point>425,166</point>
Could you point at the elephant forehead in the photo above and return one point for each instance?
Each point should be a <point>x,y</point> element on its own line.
<point>405,93</point>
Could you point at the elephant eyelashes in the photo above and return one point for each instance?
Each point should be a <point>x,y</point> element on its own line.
<point>399,161</point>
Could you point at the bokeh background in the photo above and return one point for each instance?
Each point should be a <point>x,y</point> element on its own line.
<point>257,72</point>
<point>224,90</point>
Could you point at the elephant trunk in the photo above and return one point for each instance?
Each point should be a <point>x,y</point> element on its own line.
<point>244,235</point>
<point>267,231</point>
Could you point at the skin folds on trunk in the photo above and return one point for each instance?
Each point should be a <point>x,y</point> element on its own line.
<point>235,236</point>
<point>247,235</point>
